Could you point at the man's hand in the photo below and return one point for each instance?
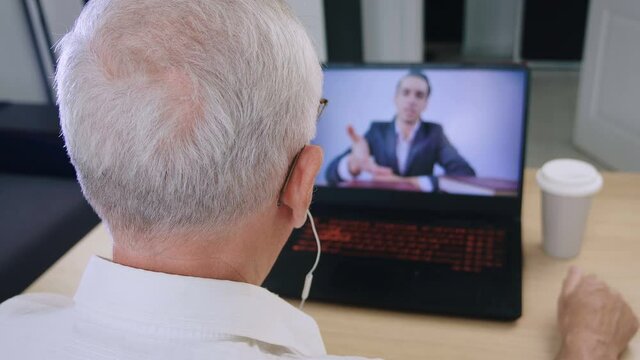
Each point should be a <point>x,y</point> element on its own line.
<point>360,156</point>
<point>595,322</point>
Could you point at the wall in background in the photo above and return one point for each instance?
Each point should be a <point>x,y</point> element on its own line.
<point>344,30</point>
<point>311,13</point>
<point>393,31</point>
<point>554,30</point>
<point>491,28</point>
<point>60,15</point>
<point>20,76</point>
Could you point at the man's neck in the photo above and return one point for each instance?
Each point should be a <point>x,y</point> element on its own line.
<point>194,258</point>
<point>245,253</point>
<point>406,126</point>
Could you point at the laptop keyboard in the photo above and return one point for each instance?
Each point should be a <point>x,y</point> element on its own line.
<point>466,249</point>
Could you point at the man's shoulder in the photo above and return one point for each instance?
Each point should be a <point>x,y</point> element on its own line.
<point>385,125</point>
<point>380,126</point>
<point>381,123</point>
<point>35,319</point>
<point>430,125</point>
<point>431,130</point>
<point>29,304</point>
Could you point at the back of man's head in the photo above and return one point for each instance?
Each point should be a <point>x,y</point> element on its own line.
<point>184,114</point>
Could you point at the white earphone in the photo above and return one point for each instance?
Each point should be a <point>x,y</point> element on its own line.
<point>309,278</point>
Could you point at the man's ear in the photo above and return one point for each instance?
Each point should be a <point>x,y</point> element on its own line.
<point>299,190</point>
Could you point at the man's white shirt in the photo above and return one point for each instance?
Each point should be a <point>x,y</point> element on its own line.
<point>119,312</point>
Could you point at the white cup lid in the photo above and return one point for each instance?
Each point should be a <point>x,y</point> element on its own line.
<point>569,177</point>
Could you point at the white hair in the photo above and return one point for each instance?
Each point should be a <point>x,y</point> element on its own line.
<point>185,114</point>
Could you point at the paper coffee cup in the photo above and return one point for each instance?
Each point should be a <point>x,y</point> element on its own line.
<point>567,188</point>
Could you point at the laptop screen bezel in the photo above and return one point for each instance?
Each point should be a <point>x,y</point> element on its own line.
<point>400,200</point>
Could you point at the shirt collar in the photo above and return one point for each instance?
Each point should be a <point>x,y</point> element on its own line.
<point>219,306</point>
<point>413,132</point>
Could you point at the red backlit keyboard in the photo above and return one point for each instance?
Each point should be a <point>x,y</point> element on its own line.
<point>463,249</point>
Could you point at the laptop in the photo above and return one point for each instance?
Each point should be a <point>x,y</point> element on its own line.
<point>429,220</point>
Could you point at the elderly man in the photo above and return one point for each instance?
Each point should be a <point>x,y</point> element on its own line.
<point>183,119</point>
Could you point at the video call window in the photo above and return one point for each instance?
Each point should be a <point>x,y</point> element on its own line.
<point>449,130</point>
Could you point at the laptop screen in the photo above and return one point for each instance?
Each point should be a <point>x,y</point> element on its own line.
<point>423,130</point>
